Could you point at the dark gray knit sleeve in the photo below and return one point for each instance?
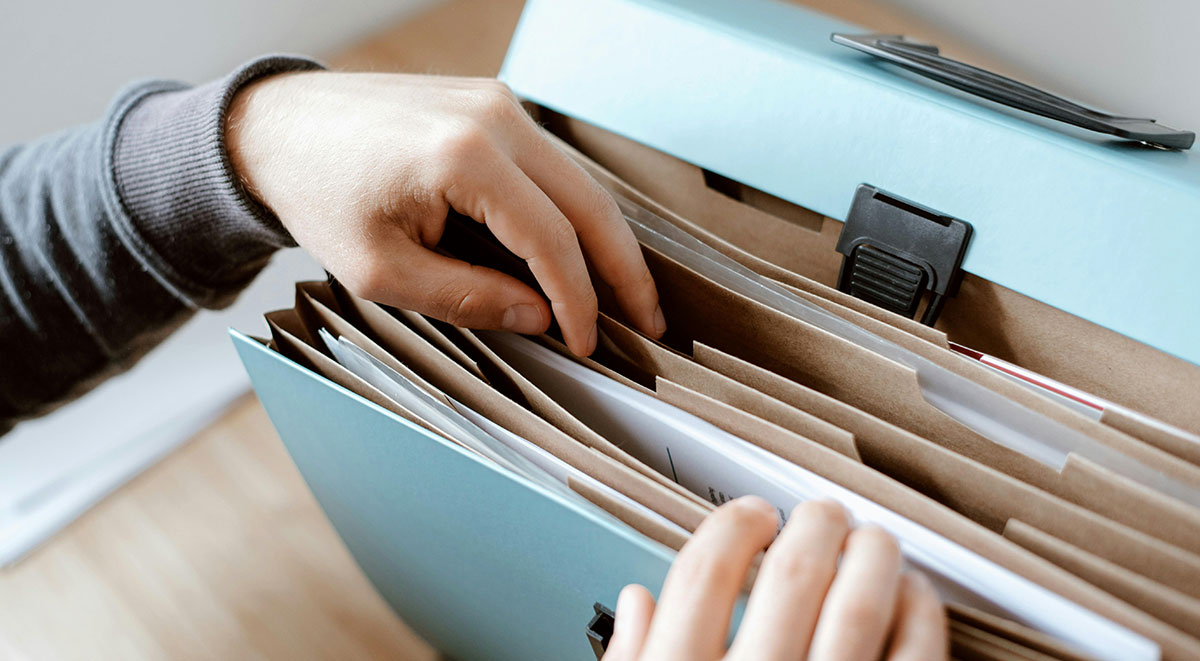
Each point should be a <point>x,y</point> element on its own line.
<point>114,233</point>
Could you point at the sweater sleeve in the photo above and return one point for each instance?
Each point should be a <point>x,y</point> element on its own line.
<point>113,234</point>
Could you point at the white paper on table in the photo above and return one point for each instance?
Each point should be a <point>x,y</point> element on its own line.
<point>715,464</point>
<point>476,432</point>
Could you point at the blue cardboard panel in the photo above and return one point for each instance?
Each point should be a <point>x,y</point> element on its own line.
<point>754,90</point>
<point>482,564</point>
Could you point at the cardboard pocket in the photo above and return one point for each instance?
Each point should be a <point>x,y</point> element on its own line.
<point>912,505</point>
<point>662,362</point>
<point>984,494</point>
<point>1175,608</point>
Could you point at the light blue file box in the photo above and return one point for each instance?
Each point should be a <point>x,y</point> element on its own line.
<point>755,91</point>
<point>481,564</point>
<point>487,566</point>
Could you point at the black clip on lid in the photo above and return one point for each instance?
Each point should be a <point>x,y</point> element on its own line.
<point>896,250</point>
<point>600,629</point>
<point>925,60</point>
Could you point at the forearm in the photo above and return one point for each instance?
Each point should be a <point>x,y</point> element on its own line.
<point>113,234</point>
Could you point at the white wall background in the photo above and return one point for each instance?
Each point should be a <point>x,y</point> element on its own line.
<point>1134,57</point>
<point>61,61</point>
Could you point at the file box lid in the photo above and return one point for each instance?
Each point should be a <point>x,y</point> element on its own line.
<point>755,90</point>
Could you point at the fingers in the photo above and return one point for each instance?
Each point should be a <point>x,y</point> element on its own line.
<point>635,608</point>
<point>796,573</point>
<point>416,278</point>
<point>858,608</point>
<point>693,612</point>
<point>546,209</point>
<point>603,233</point>
<point>921,630</point>
<point>496,192</point>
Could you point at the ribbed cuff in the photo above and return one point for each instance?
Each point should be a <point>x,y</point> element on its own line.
<point>187,213</point>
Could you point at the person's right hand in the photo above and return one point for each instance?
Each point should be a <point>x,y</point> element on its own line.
<point>363,168</point>
<point>803,605</point>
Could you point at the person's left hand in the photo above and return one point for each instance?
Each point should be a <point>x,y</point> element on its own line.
<point>804,605</point>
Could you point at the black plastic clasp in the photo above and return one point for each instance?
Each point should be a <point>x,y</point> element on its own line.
<point>600,628</point>
<point>896,250</point>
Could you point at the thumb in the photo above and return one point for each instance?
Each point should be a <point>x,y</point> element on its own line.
<point>635,608</point>
<point>459,293</point>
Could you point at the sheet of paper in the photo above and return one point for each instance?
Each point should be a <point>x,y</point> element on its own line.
<point>988,413</point>
<point>719,466</point>
<point>476,432</point>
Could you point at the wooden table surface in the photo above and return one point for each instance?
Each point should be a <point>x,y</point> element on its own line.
<point>220,551</point>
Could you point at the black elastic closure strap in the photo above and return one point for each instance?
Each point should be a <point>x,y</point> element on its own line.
<point>895,251</point>
<point>925,60</point>
<point>600,628</point>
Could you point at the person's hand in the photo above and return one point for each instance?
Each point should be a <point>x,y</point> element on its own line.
<point>803,604</point>
<point>363,168</point>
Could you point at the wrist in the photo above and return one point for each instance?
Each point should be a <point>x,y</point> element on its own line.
<point>185,210</point>
<point>255,127</point>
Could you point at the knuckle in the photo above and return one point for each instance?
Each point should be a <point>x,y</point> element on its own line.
<point>496,103</point>
<point>703,567</point>
<point>863,614</point>
<point>797,568</point>
<point>459,307</point>
<point>559,237</point>
<point>600,204</point>
<point>465,144</point>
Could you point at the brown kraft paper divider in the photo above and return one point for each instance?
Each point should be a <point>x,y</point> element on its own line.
<point>316,315</point>
<point>715,315</point>
<point>984,316</point>
<point>984,494</point>
<point>436,338</point>
<point>819,294</point>
<point>916,507</point>
<point>419,356</point>
<point>1035,640</point>
<point>1147,454</point>
<point>663,362</point>
<point>977,491</point>
<point>1178,442</point>
<point>1170,606</point>
<point>393,333</point>
<point>1125,500</point>
<point>835,300</point>
<point>605,462</point>
<point>285,323</point>
<point>672,539</point>
<point>593,362</point>
<point>968,643</point>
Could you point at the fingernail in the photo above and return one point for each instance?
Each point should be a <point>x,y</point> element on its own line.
<point>591,342</point>
<point>522,318</point>
<point>660,322</point>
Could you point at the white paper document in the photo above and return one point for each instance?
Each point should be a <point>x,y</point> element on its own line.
<point>717,465</point>
<point>984,411</point>
<point>477,433</point>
